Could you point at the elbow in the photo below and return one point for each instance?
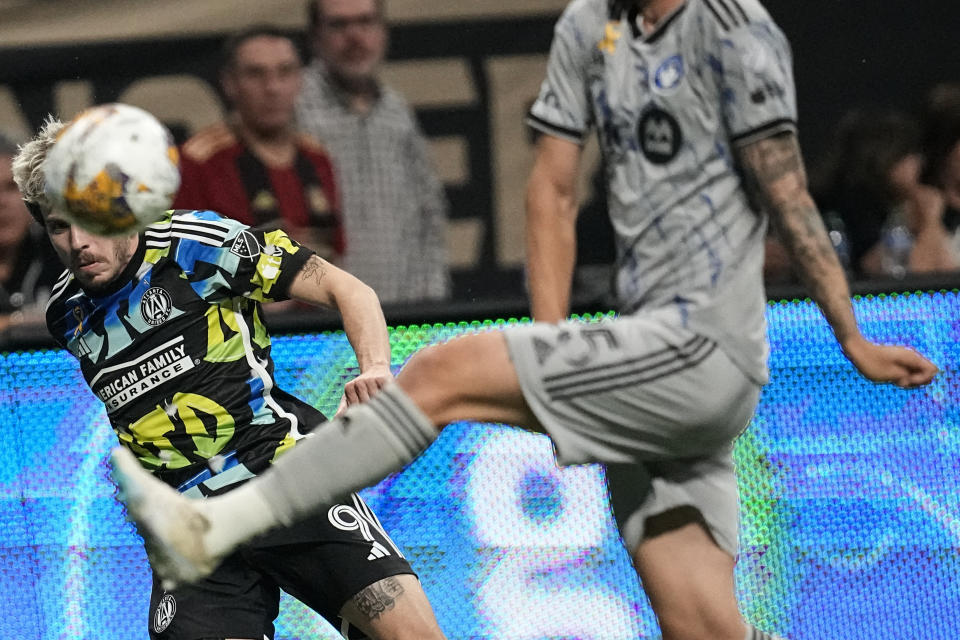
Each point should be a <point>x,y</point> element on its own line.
<point>548,202</point>
<point>361,291</point>
<point>788,194</point>
<point>351,293</point>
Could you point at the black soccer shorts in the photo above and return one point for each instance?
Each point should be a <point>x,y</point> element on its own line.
<point>323,562</point>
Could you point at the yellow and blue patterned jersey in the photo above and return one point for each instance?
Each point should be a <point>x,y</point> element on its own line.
<point>176,348</point>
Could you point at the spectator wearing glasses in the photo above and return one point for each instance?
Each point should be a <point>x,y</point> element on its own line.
<point>394,208</point>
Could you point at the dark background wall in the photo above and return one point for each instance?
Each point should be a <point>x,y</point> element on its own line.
<point>879,52</point>
<point>470,79</point>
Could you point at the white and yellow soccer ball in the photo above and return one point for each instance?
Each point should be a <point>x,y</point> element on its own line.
<point>113,170</point>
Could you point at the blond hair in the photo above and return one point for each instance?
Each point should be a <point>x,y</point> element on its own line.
<point>28,164</point>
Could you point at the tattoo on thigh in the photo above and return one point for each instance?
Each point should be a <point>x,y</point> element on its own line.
<point>378,598</point>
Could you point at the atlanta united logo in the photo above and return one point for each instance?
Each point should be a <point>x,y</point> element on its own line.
<point>163,614</point>
<point>155,306</point>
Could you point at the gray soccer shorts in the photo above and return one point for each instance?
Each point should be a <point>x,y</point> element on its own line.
<point>659,405</point>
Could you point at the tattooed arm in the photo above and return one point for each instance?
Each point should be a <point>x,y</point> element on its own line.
<point>774,174</point>
<point>321,283</point>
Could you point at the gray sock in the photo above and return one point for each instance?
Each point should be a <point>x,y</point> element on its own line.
<point>755,634</point>
<point>361,447</point>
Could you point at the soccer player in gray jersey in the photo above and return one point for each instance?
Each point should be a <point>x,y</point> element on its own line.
<point>693,103</point>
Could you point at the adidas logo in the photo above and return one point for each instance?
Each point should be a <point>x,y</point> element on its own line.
<point>377,551</point>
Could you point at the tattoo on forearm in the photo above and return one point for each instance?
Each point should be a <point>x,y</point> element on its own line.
<point>315,269</point>
<point>775,175</point>
<point>378,597</point>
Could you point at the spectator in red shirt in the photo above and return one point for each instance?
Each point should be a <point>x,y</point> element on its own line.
<point>256,167</point>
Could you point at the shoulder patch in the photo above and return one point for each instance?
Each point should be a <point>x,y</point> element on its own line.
<point>209,141</point>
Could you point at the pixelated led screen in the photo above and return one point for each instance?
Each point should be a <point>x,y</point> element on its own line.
<point>850,502</point>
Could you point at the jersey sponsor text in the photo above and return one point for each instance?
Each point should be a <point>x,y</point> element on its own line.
<point>138,379</point>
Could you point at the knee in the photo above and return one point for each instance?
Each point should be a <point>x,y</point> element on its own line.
<point>421,367</point>
<point>429,379</point>
<point>425,371</point>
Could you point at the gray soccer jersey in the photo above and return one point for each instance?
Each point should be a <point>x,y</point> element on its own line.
<point>670,107</point>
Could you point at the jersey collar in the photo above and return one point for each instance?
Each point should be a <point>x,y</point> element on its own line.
<point>633,18</point>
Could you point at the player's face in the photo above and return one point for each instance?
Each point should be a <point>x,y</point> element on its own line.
<point>264,83</point>
<point>14,217</point>
<point>351,38</point>
<point>95,261</point>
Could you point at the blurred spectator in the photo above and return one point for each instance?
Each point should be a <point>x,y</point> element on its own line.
<point>256,168</point>
<point>394,209</point>
<point>883,221</point>
<point>28,267</point>
<point>941,146</point>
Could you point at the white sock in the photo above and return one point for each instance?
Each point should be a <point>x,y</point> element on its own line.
<point>235,517</point>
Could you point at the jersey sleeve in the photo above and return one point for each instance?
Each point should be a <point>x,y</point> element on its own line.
<point>757,92</point>
<point>223,258</point>
<point>562,108</point>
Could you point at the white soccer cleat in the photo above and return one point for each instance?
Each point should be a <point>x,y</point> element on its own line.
<point>172,526</point>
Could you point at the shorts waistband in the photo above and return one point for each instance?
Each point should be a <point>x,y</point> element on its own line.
<point>231,472</point>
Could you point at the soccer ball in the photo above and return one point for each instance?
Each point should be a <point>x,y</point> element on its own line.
<point>113,170</point>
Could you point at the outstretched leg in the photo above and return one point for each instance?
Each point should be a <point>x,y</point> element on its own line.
<point>467,378</point>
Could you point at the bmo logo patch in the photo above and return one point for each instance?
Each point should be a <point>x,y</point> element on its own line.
<point>660,136</point>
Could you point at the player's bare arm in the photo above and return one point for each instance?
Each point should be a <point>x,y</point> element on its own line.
<point>324,284</point>
<point>775,175</point>
<point>551,227</point>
